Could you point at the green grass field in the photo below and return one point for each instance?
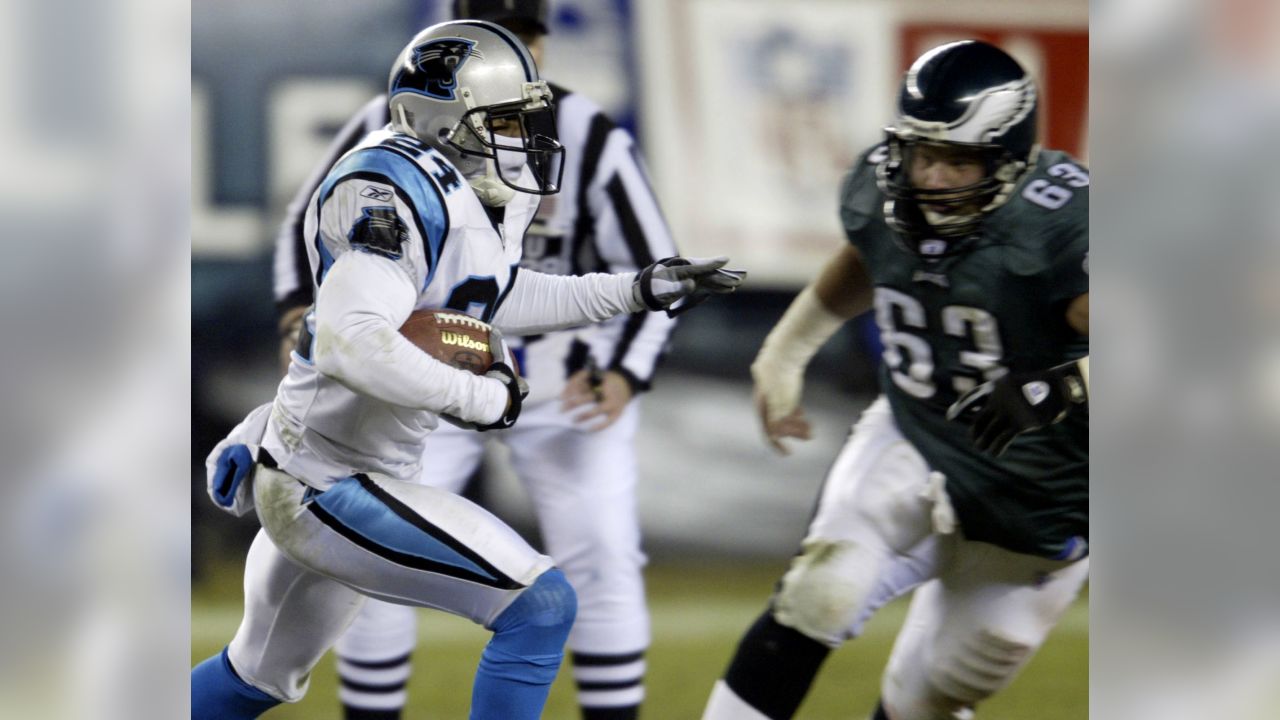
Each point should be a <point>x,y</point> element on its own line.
<point>699,612</point>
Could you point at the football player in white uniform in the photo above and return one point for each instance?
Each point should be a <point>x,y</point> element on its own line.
<point>574,448</point>
<point>428,213</point>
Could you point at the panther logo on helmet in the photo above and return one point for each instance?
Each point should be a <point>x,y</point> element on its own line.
<point>436,66</point>
<point>471,90</point>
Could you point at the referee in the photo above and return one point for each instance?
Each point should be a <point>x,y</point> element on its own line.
<point>574,447</point>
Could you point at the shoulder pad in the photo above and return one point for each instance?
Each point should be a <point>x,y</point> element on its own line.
<point>860,196</point>
<point>1059,185</point>
<point>1048,214</point>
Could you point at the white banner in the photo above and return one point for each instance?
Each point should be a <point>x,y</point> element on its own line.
<point>756,109</point>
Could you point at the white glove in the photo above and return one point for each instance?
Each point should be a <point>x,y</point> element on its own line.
<point>664,283</point>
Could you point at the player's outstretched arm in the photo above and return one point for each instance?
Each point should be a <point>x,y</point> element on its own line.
<point>840,292</point>
<point>541,303</point>
<point>1003,409</point>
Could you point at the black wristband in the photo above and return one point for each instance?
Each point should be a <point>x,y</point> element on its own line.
<point>645,280</point>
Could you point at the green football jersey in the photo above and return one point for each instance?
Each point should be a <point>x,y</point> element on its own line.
<point>950,322</point>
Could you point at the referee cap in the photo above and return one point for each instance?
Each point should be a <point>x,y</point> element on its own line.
<point>531,11</point>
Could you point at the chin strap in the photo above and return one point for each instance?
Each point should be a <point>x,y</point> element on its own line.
<point>490,188</point>
<point>405,126</point>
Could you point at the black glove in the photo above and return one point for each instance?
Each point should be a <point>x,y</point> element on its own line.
<point>664,283</point>
<point>1004,408</point>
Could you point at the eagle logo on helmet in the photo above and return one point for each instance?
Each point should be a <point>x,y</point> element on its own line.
<point>433,68</point>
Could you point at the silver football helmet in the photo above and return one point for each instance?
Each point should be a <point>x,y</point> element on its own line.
<point>471,90</point>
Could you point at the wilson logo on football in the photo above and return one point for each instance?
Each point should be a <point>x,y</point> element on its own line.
<point>452,338</point>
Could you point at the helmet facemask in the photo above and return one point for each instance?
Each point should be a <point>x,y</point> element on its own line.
<point>954,212</point>
<point>509,137</point>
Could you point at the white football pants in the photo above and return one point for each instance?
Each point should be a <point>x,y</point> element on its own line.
<point>583,489</point>
<point>980,612</point>
<point>389,539</point>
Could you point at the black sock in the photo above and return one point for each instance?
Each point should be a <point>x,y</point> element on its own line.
<point>628,712</point>
<point>610,680</point>
<point>352,713</point>
<point>774,667</point>
<point>880,713</point>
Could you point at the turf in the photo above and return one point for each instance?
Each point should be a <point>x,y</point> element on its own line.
<point>699,612</point>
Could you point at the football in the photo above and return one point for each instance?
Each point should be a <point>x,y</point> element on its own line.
<point>450,337</point>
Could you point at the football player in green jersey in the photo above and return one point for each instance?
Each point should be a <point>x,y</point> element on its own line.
<point>966,482</point>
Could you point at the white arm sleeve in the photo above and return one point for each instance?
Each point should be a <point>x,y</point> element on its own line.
<point>361,304</point>
<point>541,303</point>
<point>778,369</point>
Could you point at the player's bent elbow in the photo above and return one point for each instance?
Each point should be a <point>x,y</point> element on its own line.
<point>323,355</point>
<point>334,353</point>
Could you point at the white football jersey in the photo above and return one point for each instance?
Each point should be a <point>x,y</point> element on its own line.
<point>399,200</point>
<point>604,219</point>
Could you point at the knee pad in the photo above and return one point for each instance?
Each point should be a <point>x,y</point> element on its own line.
<point>529,635</point>
<point>825,589</point>
<point>982,665</point>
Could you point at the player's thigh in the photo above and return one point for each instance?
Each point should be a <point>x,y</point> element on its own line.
<point>400,542</point>
<point>868,539</point>
<point>450,456</point>
<point>292,616</point>
<point>968,633</point>
<point>874,491</point>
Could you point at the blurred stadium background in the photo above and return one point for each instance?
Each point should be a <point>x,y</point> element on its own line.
<point>748,113</point>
